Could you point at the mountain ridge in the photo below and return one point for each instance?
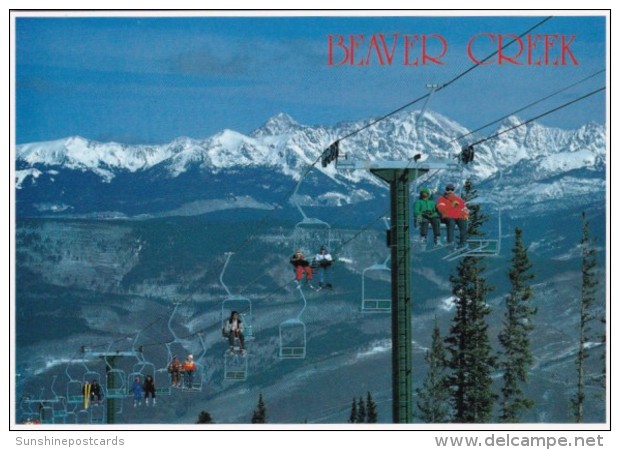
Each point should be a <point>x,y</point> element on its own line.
<point>284,149</point>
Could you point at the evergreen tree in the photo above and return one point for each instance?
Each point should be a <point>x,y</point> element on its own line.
<point>514,338</point>
<point>361,411</point>
<point>469,349</point>
<point>371,409</point>
<point>434,395</point>
<point>588,295</point>
<point>353,415</point>
<point>260,413</point>
<point>204,417</point>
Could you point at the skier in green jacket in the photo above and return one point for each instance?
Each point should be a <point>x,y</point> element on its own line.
<point>425,212</point>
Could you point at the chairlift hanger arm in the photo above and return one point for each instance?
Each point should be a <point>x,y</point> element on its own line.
<point>174,335</point>
<point>296,201</point>
<point>228,255</point>
<point>303,297</point>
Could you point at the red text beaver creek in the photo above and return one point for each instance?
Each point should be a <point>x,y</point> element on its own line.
<point>413,50</point>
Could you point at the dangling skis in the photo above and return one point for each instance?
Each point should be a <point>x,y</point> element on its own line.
<point>86,395</point>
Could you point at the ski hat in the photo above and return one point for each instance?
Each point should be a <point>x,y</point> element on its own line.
<point>323,248</point>
<point>190,356</point>
<point>425,190</point>
<point>449,187</point>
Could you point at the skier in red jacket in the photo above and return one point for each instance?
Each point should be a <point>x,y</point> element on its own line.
<point>453,210</point>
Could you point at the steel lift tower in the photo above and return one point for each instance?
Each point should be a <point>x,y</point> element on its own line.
<point>115,389</point>
<point>398,175</point>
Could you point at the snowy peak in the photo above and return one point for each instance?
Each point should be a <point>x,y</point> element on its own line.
<point>547,150</point>
<point>82,154</point>
<point>509,122</point>
<point>51,153</point>
<point>230,148</point>
<point>544,139</point>
<point>277,125</point>
<point>401,136</point>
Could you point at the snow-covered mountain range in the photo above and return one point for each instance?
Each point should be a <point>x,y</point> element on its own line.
<point>553,163</point>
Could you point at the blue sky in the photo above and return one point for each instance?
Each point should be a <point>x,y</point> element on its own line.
<point>152,79</point>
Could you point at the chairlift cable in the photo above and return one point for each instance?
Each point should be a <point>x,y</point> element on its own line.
<point>546,113</point>
<point>446,84</point>
<point>523,108</point>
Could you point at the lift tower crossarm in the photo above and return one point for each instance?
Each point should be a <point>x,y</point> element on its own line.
<point>420,166</point>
